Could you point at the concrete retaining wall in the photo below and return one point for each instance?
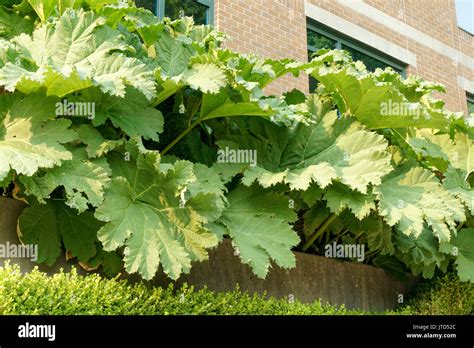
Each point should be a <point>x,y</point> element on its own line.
<point>337,282</point>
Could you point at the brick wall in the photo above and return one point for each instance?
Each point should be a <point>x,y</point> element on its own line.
<point>277,29</point>
<point>270,28</point>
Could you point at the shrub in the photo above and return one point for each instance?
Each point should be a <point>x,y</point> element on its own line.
<point>69,293</point>
<point>444,295</point>
<point>35,293</point>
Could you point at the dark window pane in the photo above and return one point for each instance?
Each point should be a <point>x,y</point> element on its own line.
<point>370,62</point>
<point>179,8</point>
<point>148,4</point>
<point>470,106</point>
<point>313,83</point>
<point>317,41</point>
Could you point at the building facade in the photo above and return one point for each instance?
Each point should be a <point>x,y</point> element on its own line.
<point>415,37</point>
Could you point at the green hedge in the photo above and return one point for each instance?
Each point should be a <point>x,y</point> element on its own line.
<point>445,295</point>
<point>69,293</point>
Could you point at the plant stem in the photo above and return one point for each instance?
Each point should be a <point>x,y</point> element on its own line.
<point>181,136</point>
<point>320,231</point>
<point>338,236</point>
<point>359,235</point>
<point>371,253</point>
<point>400,136</point>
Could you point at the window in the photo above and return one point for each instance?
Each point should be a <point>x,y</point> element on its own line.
<point>201,10</point>
<point>465,15</point>
<point>320,37</point>
<point>148,4</point>
<point>470,104</point>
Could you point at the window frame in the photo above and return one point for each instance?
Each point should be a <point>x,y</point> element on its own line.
<point>160,6</point>
<point>342,39</point>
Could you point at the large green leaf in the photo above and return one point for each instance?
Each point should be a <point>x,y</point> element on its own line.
<point>455,182</point>
<point>140,19</point>
<point>453,157</point>
<point>413,196</point>
<point>221,105</point>
<point>132,115</point>
<point>43,8</point>
<point>376,99</point>
<point>464,242</point>
<point>46,225</point>
<point>83,180</point>
<point>258,223</point>
<point>208,78</point>
<point>97,146</point>
<point>74,52</point>
<point>30,137</point>
<point>379,236</point>
<point>12,24</point>
<point>172,55</point>
<point>421,253</point>
<point>159,215</point>
<point>459,151</point>
<point>340,197</point>
<point>326,151</point>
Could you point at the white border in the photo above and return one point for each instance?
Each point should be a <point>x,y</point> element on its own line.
<point>466,84</point>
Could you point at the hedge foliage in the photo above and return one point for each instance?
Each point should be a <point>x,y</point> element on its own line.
<point>145,142</point>
<point>445,295</point>
<point>71,294</point>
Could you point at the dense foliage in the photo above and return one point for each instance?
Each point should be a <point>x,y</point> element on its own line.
<point>444,295</point>
<point>70,294</point>
<point>36,293</point>
<point>113,125</point>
